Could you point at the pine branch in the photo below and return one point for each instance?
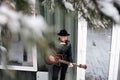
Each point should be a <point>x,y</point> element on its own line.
<point>24,6</point>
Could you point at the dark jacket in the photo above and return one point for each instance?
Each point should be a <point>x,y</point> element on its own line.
<point>66,51</point>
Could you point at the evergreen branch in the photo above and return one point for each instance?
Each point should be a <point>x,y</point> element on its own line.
<point>24,6</point>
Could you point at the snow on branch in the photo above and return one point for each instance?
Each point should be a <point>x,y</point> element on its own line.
<point>108,8</point>
<point>68,5</point>
<point>28,26</point>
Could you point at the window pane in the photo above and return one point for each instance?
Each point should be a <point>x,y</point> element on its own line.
<point>16,54</point>
<point>98,53</point>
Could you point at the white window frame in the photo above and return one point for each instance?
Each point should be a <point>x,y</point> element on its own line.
<point>24,68</point>
<point>81,50</point>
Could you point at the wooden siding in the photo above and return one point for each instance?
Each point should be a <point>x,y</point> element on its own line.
<point>60,19</point>
<point>18,75</point>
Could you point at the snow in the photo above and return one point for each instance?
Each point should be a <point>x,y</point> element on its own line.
<point>3,52</point>
<point>68,5</point>
<point>31,25</point>
<point>9,13</point>
<point>14,26</point>
<point>10,18</point>
<point>2,49</point>
<point>3,19</point>
<point>32,1</point>
<point>109,9</point>
<point>98,54</point>
<point>34,25</point>
<point>28,27</point>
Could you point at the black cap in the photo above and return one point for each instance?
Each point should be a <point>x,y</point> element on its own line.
<point>63,32</point>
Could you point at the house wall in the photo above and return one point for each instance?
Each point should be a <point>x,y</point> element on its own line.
<point>59,19</point>
<point>17,75</point>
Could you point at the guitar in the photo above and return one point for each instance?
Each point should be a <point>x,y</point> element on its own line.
<point>52,59</point>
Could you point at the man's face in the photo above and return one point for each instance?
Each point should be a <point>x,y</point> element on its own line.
<point>63,38</point>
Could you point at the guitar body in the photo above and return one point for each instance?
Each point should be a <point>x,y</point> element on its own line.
<point>52,59</point>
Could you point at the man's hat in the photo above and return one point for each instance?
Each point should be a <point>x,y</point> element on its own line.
<point>63,32</point>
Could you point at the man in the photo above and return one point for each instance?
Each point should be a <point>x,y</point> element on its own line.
<point>65,51</point>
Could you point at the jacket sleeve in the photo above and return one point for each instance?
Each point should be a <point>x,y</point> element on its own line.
<point>70,54</point>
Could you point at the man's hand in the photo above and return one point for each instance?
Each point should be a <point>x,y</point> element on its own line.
<point>70,65</point>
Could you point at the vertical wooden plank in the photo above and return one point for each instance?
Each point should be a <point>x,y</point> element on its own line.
<point>40,8</point>
<point>74,39</point>
<point>69,26</point>
<point>58,19</point>
<point>49,16</point>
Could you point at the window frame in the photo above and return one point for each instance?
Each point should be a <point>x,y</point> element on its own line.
<point>24,68</point>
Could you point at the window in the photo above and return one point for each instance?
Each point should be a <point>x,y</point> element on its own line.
<point>17,57</point>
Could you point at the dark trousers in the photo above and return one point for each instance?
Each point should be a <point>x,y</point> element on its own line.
<point>56,70</point>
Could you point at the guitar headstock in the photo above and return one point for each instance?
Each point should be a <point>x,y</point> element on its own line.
<point>82,66</point>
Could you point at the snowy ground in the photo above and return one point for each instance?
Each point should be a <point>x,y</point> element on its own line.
<point>98,54</point>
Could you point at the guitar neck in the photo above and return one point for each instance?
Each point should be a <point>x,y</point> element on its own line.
<point>66,62</point>
<point>74,64</point>
<point>54,59</point>
<point>63,61</point>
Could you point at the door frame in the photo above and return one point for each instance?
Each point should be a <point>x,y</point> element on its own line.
<point>81,50</point>
<point>115,49</point>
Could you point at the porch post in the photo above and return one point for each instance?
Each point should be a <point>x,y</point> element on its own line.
<point>115,51</point>
<point>81,47</point>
